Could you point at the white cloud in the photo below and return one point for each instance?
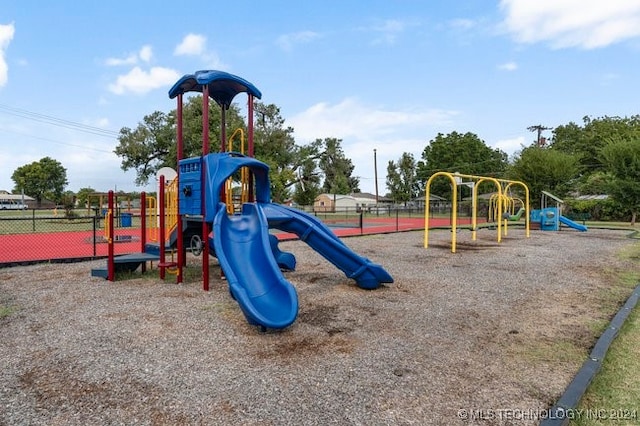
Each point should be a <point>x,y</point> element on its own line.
<point>196,45</point>
<point>213,62</point>
<point>609,78</point>
<point>587,24</point>
<point>139,81</point>
<point>102,123</point>
<point>351,118</point>
<point>389,30</point>
<point>462,24</point>
<point>508,66</point>
<point>144,54</point>
<point>363,128</point>
<point>129,60</point>
<point>191,45</point>
<point>510,146</point>
<point>6,35</point>
<point>288,41</point>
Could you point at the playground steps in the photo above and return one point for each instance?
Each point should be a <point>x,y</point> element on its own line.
<point>125,262</point>
<point>154,249</point>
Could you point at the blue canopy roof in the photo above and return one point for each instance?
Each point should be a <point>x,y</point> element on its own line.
<point>223,87</point>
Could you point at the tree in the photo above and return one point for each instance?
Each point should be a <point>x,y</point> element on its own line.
<point>596,183</point>
<point>587,142</point>
<point>337,168</point>
<point>83,196</point>
<point>543,169</point>
<point>401,179</point>
<point>622,159</point>
<point>289,163</point>
<point>152,144</point>
<point>308,186</point>
<point>42,179</point>
<point>457,152</point>
<point>147,147</point>
<point>69,203</point>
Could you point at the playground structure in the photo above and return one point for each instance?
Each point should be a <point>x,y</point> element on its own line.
<point>549,216</point>
<point>239,237</point>
<point>501,210</point>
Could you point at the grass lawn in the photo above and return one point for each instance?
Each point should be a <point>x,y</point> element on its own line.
<point>615,391</point>
<point>614,394</point>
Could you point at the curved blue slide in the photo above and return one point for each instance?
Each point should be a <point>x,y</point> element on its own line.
<point>565,220</point>
<point>249,256</point>
<point>318,236</point>
<point>255,281</point>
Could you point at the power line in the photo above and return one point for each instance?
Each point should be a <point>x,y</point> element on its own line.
<point>57,142</point>
<point>58,122</point>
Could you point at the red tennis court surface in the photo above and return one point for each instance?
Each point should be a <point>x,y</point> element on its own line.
<point>16,248</point>
<point>60,246</point>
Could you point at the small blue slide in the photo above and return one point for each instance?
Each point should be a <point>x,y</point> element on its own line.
<point>570,223</point>
<point>255,281</point>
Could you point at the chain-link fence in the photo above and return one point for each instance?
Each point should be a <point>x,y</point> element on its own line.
<point>34,236</point>
<point>31,236</point>
<point>372,219</point>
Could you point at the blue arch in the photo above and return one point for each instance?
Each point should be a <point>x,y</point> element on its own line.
<point>220,166</point>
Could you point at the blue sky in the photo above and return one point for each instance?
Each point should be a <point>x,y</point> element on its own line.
<point>382,74</point>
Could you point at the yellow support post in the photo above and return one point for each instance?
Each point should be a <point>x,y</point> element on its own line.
<point>474,214</point>
<point>152,219</point>
<point>244,175</point>
<point>454,211</point>
<point>526,206</point>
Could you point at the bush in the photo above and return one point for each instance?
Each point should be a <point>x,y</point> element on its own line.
<point>600,210</point>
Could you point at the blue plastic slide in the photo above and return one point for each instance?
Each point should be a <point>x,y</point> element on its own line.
<point>255,281</point>
<point>313,232</point>
<point>285,260</point>
<point>566,221</point>
<point>249,256</point>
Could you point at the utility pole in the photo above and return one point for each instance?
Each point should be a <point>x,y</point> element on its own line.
<point>375,173</point>
<point>540,142</point>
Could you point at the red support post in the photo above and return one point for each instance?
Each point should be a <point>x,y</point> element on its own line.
<point>111,267</point>
<point>179,129</point>
<point>179,155</point>
<point>223,129</point>
<point>250,150</point>
<point>143,227</point>
<point>205,151</point>
<point>223,148</point>
<point>250,142</point>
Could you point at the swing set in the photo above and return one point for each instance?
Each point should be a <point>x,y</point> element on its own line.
<point>501,205</point>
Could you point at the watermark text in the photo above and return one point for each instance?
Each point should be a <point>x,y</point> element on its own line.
<point>548,413</point>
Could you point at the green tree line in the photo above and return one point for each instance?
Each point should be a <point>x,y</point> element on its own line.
<point>599,156</point>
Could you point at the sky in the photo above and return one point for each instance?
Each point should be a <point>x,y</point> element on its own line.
<point>383,75</point>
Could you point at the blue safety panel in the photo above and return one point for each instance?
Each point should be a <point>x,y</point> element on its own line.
<point>190,186</point>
